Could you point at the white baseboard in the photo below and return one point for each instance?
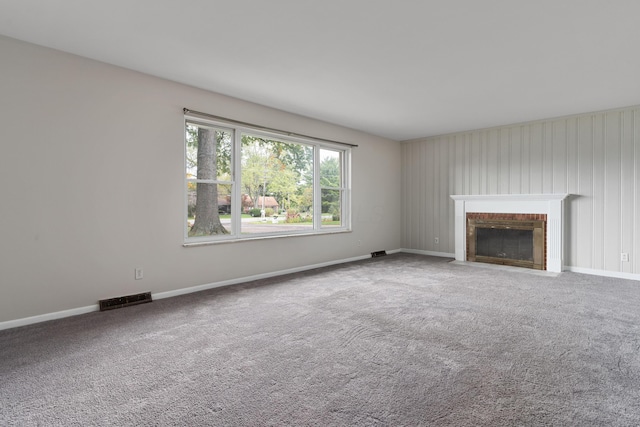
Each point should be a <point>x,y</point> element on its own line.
<point>605,273</point>
<point>244,279</point>
<point>48,316</point>
<point>88,309</point>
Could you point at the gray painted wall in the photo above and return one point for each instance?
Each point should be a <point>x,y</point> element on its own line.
<point>594,156</point>
<point>91,183</point>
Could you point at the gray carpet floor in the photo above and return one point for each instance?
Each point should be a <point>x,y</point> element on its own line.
<point>402,340</point>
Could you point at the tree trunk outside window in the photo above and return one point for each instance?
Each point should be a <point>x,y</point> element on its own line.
<point>207,218</point>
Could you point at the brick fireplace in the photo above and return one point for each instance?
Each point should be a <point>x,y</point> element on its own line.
<point>540,213</point>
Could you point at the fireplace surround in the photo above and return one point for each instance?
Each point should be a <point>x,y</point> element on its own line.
<point>550,205</point>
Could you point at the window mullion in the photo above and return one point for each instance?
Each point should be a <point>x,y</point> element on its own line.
<point>236,176</point>
<point>317,192</point>
<point>346,184</point>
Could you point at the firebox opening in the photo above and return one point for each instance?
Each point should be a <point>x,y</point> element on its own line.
<point>507,240</point>
<point>505,243</point>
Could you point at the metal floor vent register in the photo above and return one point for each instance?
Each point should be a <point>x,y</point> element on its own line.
<point>125,301</point>
<point>378,253</point>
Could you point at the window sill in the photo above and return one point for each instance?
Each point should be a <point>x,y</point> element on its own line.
<point>263,237</point>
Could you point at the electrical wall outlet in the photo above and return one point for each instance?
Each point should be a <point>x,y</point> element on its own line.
<point>436,240</point>
<point>139,273</point>
<point>624,257</point>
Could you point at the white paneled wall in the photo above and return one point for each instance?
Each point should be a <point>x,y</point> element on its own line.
<point>595,157</point>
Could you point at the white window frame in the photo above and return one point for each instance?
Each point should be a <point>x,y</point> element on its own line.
<point>343,188</point>
<point>236,182</point>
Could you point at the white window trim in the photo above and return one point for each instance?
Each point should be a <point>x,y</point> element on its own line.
<point>236,181</point>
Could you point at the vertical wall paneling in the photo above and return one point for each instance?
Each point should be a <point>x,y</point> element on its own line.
<point>627,180</point>
<point>414,202</point>
<point>445,203</point>
<point>493,166</point>
<point>482,172</point>
<point>413,199</point>
<point>598,191</point>
<point>405,192</point>
<point>535,168</point>
<point>444,190</point>
<point>475,146</point>
<point>468,159</point>
<point>525,160</point>
<point>421,195</point>
<point>573,188</point>
<point>547,158</point>
<point>451,185</point>
<point>515,160</point>
<point>430,195</point>
<point>435,183</point>
<point>504,156</point>
<point>611,146</point>
<point>635,248</point>
<point>595,157</point>
<point>460,166</point>
<point>427,194</point>
<point>414,185</point>
<point>482,164</point>
<point>404,200</point>
<point>584,245</point>
<point>418,194</point>
<point>434,202</point>
<point>558,154</point>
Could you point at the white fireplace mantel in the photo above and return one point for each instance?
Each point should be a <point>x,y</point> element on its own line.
<point>549,204</point>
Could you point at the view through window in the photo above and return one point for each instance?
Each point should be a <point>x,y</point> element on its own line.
<point>242,183</point>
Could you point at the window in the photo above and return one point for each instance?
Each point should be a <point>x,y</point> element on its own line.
<point>243,183</point>
<point>332,190</point>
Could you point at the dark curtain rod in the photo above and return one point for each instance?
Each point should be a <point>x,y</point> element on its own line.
<point>258,127</point>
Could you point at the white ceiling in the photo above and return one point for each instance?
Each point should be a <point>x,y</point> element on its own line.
<point>401,69</point>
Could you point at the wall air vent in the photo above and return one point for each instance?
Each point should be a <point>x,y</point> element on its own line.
<point>125,301</point>
<point>378,253</point>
